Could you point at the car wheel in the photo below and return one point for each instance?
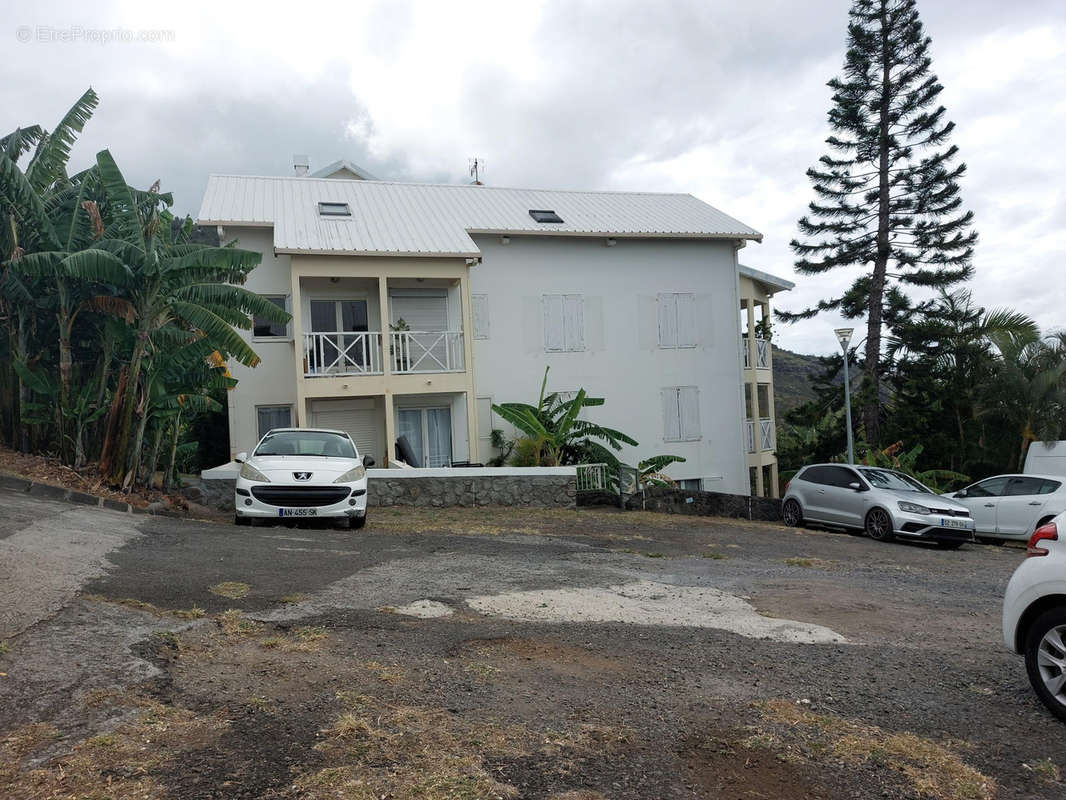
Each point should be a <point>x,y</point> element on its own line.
<point>948,545</point>
<point>358,522</point>
<point>879,525</point>
<point>1045,659</point>
<point>792,514</point>
<point>239,520</point>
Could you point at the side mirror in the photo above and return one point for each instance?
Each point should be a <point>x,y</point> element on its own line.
<point>855,485</point>
<point>960,493</point>
<point>240,458</point>
<point>368,461</point>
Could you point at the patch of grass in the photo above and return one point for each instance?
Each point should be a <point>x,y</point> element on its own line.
<point>376,749</point>
<point>4,648</point>
<point>273,642</point>
<point>386,673</point>
<point>655,555</point>
<point>931,768</point>
<point>482,670</point>
<point>150,608</point>
<point>231,590</point>
<point>1045,769</point>
<point>260,703</point>
<point>234,623</point>
<point>190,613</point>
<point>714,554</point>
<point>295,597</point>
<point>306,639</point>
<point>809,563</point>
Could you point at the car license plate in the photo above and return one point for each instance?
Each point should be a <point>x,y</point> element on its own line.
<point>297,512</point>
<point>964,524</point>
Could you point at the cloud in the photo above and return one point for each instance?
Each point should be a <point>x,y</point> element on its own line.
<point>723,100</point>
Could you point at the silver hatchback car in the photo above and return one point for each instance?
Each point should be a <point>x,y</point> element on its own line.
<point>883,502</point>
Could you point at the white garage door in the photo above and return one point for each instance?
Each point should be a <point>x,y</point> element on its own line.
<point>362,421</point>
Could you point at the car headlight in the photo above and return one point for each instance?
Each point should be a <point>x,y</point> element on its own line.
<point>913,508</point>
<point>250,473</point>
<point>352,475</point>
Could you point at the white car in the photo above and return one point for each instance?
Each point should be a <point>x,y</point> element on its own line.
<point>1013,506</point>
<point>1034,615</point>
<point>300,474</point>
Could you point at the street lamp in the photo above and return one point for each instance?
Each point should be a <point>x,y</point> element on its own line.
<point>844,337</point>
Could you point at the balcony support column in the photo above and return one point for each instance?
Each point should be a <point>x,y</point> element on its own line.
<point>299,356</point>
<point>386,368</point>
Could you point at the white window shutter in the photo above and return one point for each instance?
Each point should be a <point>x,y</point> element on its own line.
<point>686,320</point>
<point>689,411</point>
<point>553,323</point>
<point>671,415</point>
<point>480,303</point>
<point>667,320</point>
<point>574,325</point>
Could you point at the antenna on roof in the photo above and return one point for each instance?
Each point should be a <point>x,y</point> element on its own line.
<point>477,166</point>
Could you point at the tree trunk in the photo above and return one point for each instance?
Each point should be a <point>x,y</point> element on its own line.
<point>138,444</point>
<point>153,459</point>
<point>120,456</point>
<point>169,475</point>
<point>107,449</point>
<point>24,392</point>
<point>871,411</point>
<point>66,369</point>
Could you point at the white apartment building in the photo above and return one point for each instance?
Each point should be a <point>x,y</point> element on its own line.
<point>415,307</point>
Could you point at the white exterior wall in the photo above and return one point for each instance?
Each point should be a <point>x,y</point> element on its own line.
<point>622,361</point>
<point>270,383</point>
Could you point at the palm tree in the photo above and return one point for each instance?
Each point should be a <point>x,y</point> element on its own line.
<point>559,436</point>
<point>1029,389</point>
<point>174,285</point>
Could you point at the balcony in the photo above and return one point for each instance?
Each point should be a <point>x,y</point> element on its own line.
<point>762,352</point>
<point>763,435</point>
<point>416,352</point>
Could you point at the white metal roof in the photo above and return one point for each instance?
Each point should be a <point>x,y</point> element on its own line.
<point>420,219</point>
<point>772,282</point>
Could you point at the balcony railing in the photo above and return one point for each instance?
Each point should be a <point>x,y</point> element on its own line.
<point>426,351</point>
<point>342,353</point>
<point>762,352</point>
<point>763,436</point>
<point>766,434</point>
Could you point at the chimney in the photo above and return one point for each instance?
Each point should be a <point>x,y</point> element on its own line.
<point>301,164</point>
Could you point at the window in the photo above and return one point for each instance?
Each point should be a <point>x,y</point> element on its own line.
<point>564,323</point>
<point>306,443</point>
<point>265,329</point>
<point>334,210</point>
<point>428,432</point>
<point>544,215</point>
<point>993,487</point>
<point>840,476</point>
<point>681,414</point>
<point>480,303</point>
<point>1024,486</point>
<point>690,484</point>
<point>895,481</point>
<point>1050,487</point>
<point>270,417</point>
<point>677,320</point>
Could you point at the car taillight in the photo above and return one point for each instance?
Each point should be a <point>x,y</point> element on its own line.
<point>787,485</point>
<point>1045,533</point>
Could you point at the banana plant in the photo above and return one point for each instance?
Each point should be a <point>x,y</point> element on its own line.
<point>561,437</point>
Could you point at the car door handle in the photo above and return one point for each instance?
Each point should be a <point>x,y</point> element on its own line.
<point>1036,503</point>
<point>990,505</point>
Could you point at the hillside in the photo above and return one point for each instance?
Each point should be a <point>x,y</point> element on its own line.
<point>792,372</point>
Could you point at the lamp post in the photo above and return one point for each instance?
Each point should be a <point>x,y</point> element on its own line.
<point>844,337</point>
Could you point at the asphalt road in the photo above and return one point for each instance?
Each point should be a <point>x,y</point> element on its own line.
<point>696,637</point>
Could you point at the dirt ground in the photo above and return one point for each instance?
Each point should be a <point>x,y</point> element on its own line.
<point>460,654</point>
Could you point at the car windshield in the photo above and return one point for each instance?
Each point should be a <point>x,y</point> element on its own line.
<point>306,443</point>
<point>897,481</point>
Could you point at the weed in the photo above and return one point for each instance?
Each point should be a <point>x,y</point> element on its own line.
<point>231,590</point>
<point>1045,769</point>
<point>809,563</point>
<point>234,623</point>
<point>655,555</point>
<point>714,555</point>
<point>295,597</point>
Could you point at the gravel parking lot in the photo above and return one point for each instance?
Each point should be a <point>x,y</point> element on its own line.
<point>573,655</point>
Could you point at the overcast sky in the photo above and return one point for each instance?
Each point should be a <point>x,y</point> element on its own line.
<point>721,99</point>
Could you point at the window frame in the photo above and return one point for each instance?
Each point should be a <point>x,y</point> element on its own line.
<point>286,301</point>
<point>346,211</point>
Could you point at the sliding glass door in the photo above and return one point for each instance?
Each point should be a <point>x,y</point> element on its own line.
<point>429,434</point>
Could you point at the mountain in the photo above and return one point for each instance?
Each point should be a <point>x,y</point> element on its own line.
<point>792,373</point>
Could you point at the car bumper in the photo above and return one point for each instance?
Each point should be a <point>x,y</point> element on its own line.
<point>297,501</point>
<point>932,527</point>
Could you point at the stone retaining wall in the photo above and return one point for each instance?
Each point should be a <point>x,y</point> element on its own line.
<point>711,504</point>
<point>552,491</point>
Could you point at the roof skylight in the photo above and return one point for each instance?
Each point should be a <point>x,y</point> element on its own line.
<point>544,215</point>
<point>334,210</point>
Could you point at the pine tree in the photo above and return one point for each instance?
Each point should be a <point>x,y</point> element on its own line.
<point>887,198</point>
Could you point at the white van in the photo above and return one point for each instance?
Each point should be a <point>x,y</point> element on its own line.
<point>1046,458</point>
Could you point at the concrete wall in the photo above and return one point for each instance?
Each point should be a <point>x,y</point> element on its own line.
<point>622,360</point>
